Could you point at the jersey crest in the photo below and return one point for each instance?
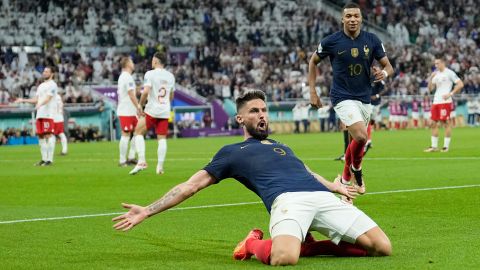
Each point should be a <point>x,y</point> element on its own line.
<point>354,52</point>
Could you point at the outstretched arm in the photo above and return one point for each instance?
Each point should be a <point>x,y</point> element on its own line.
<point>335,186</point>
<point>176,195</point>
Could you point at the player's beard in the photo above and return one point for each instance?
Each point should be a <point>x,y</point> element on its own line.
<point>256,132</point>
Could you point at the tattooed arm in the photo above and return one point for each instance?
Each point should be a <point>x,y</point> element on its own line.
<point>176,195</point>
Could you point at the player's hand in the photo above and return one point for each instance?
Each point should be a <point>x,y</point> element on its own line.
<point>374,97</point>
<point>140,112</point>
<point>37,107</point>
<point>134,216</point>
<point>378,74</point>
<point>446,96</point>
<point>315,101</point>
<point>349,191</point>
<point>18,100</point>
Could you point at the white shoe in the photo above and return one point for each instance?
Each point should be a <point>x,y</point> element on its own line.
<point>138,167</point>
<point>159,170</point>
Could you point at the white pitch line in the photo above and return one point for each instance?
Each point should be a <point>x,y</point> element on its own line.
<point>226,205</point>
<point>208,158</point>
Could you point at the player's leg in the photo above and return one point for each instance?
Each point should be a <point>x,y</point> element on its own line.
<point>448,133</point>
<point>434,138</point>
<point>132,151</point>
<point>351,232</point>
<point>49,128</point>
<point>376,242</point>
<point>64,143</point>
<point>42,142</point>
<point>140,131</point>
<point>51,140</point>
<point>161,129</point>
<point>123,147</point>
<point>358,131</point>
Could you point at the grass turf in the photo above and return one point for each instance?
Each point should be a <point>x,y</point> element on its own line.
<point>429,229</point>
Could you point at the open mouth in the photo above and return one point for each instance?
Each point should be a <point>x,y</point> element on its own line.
<point>262,125</point>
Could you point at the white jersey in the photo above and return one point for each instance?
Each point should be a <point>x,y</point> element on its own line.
<point>45,90</point>
<point>125,104</point>
<point>58,118</point>
<point>162,83</point>
<point>444,81</point>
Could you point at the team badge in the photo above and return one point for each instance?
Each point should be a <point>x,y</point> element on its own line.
<point>354,52</point>
<point>366,50</point>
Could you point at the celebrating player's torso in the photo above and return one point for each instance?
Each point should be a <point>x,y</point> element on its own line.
<point>45,89</point>
<point>351,60</point>
<point>162,83</point>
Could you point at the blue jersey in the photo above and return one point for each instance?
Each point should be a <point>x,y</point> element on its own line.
<point>351,61</point>
<point>266,167</point>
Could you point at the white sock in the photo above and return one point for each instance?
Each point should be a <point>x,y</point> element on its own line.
<point>43,148</point>
<point>63,141</point>
<point>161,151</point>
<point>51,147</point>
<point>434,142</point>
<point>132,151</point>
<point>123,148</point>
<point>446,142</point>
<point>140,146</point>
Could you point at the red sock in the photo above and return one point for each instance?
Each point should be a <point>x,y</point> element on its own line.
<point>260,248</point>
<point>415,122</point>
<point>348,160</point>
<point>357,153</point>
<point>327,247</point>
<point>369,131</point>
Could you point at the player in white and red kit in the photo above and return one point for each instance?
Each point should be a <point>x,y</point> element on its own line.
<point>442,80</point>
<point>44,101</point>
<point>127,111</point>
<point>59,124</point>
<point>158,86</point>
<point>426,109</point>
<point>415,112</point>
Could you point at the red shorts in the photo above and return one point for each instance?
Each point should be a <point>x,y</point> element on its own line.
<point>44,125</point>
<point>128,123</point>
<point>441,112</point>
<point>58,128</point>
<point>160,124</point>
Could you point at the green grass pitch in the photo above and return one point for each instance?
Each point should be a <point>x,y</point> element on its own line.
<point>429,228</point>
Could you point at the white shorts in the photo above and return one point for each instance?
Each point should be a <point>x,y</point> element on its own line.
<point>296,213</point>
<point>427,115</point>
<point>376,114</point>
<point>353,111</point>
<point>415,115</point>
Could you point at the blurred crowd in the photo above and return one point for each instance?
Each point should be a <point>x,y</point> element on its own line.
<point>228,45</point>
<point>76,133</point>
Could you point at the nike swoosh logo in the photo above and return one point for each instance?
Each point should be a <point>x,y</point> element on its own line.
<point>339,53</point>
<point>241,147</point>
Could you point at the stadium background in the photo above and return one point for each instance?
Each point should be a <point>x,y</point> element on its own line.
<point>217,49</point>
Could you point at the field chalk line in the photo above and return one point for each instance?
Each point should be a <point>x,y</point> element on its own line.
<point>225,205</point>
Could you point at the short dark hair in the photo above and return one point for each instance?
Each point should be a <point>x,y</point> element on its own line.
<point>52,68</point>
<point>161,56</point>
<point>247,96</point>
<point>350,5</point>
<point>440,57</point>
